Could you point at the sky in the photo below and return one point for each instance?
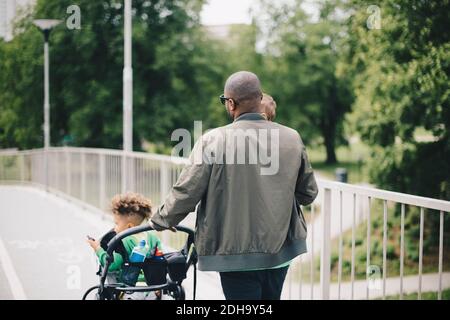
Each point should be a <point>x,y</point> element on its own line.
<point>219,12</point>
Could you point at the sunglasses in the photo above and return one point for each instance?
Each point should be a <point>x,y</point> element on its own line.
<point>223,99</point>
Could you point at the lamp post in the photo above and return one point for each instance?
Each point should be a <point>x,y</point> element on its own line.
<point>127,129</point>
<point>127,81</point>
<point>46,25</point>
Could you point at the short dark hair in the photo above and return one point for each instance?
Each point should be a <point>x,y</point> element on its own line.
<point>243,85</point>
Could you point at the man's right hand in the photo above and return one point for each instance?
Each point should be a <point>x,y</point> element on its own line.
<point>159,228</point>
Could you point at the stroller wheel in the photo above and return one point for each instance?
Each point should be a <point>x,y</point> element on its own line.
<point>179,293</point>
<point>86,294</point>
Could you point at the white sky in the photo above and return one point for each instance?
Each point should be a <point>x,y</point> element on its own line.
<point>218,12</point>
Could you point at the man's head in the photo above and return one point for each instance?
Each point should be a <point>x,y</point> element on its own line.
<point>242,93</point>
<point>129,210</point>
<point>269,107</point>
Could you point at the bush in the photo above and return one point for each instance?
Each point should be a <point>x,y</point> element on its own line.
<point>361,256</point>
<point>358,242</point>
<point>334,259</point>
<point>414,256</point>
<point>376,248</point>
<point>389,225</point>
<point>414,232</point>
<point>428,244</point>
<point>375,224</point>
<point>346,266</point>
<point>360,272</point>
<point>412,251</point>
<point>390,252</point>
<point>413,218</point>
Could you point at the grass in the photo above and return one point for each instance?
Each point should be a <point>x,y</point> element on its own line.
<point>349,157</point>
<point>425,296</point>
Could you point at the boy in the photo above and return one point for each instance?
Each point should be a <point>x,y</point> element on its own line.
<point>269,107</point>
<point>129,210</point>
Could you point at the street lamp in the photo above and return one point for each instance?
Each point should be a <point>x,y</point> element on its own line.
<point>127,170</point>
<point>46,25</point>
<point>127,80</point>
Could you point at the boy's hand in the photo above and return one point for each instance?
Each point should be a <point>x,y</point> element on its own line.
<point>94,244</point>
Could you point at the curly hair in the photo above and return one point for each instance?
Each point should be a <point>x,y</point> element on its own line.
<point>130,204</point>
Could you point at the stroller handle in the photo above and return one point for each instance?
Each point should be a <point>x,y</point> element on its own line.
<point>112,244</point>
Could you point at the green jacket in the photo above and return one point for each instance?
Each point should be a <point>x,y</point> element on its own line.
<point>249,215</point>
<point>129,243</point>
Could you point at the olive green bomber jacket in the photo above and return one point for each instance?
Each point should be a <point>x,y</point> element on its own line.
<point>248,213</point>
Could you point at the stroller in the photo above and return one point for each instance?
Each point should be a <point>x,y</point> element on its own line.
<point>164,275</point>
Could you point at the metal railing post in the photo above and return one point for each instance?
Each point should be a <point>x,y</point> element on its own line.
<point>131,173</point>
<point>22,168</point>
<point>83,175</point>
<point>163,189</point>
<point>124,175</point>
<point>164,181</point>
<point>46,169</point>
<point>1,168</point>
<point>325,260</point>
<point>102,181</point>
<point>68,173</point>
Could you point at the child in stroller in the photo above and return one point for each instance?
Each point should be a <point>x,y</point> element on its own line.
<point>119,277</point>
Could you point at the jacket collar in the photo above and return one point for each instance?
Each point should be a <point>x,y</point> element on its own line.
<point>250,116</point>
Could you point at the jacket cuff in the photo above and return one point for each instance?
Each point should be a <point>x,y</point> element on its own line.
<point>99,252</point>
<point>158,223</point>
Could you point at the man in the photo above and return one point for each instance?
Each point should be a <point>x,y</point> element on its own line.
<point>249,222</point>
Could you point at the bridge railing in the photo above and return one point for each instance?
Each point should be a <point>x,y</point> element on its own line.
<point>344,223</point>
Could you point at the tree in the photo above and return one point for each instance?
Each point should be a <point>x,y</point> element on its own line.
<point>174,79</point>
<point>301,62</point>
<point>21,87</point>
<point>401,76</point>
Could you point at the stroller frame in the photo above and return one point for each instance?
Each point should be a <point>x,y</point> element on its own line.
<point>112,291</point>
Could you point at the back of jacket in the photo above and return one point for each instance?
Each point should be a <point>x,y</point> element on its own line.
<point>250,177</point>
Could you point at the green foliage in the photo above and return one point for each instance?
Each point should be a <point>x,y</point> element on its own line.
<point>301,70</point>
<point>400,78</point>
<point>334,259</point>
<point>361,256</point>
<point>21,111</point>
<point>174,79</point>
<point>376,248</point>
<point>390,252</point>
<point>375,224</point>
<point>346,266</point>
<point>395,80</point>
